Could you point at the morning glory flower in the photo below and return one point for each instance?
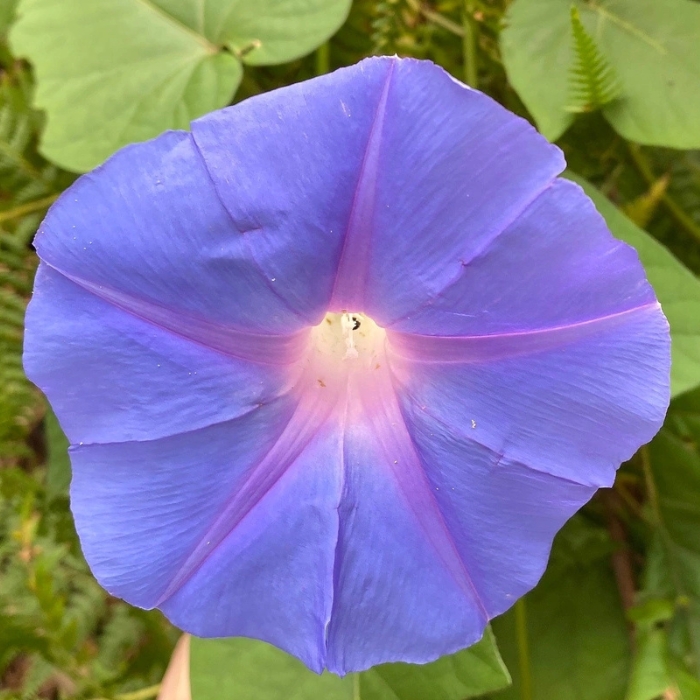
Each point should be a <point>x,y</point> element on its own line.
<point>338,364</point>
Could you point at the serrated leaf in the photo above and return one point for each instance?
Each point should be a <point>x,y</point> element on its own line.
<point>652,45</point>
<point>676,287</point>
<point>577,640</point>
<point>110,73</point>
<point>246,669</point>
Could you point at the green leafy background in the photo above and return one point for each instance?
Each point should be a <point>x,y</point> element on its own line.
<point>616,83</point>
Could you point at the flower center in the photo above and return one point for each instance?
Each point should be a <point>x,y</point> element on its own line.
<point>347,341</point>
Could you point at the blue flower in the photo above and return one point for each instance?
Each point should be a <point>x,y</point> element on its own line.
<point>337,365</point>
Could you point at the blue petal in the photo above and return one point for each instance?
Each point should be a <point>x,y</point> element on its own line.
<point>575,409</point>
<point>286,166</point>
<point>402,590</point>
<point>230,529</point>
<point>113,376</point>
<point>555,264</point>
<point>516,440</point>
<point>446,169</point>
<point>148,226</point>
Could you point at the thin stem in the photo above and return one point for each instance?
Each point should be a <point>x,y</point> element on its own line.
<point>657,519</point>
<point>652,493</point>
<point>674,209</point>
<point>471,69</point>
<point>323,59</point>
<point>28,208</point>
<point>523,650</point>
<point>436,18</point>
<point>621,559</point>
<point>143,694</point>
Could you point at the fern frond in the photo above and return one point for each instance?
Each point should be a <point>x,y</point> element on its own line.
<point>385,25</point>
<point>398,27</point>
<point>38,674</point>
<point>27,186</point>
<point>592,80</point>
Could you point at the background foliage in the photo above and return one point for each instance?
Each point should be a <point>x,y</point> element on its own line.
<point>615,82</point>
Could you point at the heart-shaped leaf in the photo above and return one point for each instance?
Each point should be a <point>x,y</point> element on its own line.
<point>113,72</point>
<point>246,669</point>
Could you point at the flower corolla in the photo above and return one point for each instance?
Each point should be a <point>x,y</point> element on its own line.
<point>338,364</point>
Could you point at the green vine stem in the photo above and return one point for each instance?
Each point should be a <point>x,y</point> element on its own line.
<point>143,694</point>
<point>471,67</point>
<point>28,208</point>
<point>323,59</point>
<point>523,650</point>
<point>436,18</point>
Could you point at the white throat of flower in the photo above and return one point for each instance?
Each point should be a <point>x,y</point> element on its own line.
<point>347,341</point>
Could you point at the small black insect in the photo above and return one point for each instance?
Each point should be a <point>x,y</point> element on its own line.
<point>355,323</point>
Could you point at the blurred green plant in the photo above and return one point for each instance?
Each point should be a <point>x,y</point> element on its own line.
<point>109,73</point>
<point>60,634</point>
<point>617,614</point>
<point>28,185</point>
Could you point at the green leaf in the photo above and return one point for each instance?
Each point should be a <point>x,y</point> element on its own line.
<point>58,470</point>
<point>110,73</point>
<point>676,287</point>
<point>469,673</point>
<point>573,642</point>
<point>7,15</point>
<point>672,467</point>
<point>652,610</point>
<point>653,46</point>
<point>650,676</point>
<point>655,674</point>
<point>246,669</point>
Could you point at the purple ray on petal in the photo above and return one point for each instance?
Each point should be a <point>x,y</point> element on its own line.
<point>350,288</point>
<point>337,366</point>
<point>559,242</point>
<point>465,349</point>
<point>456,169</point>
<point>576,411</point>
<point>272,577</point>
<point>113,376</point>
<point>266,349</point>
<point>313,144</point>
<point>395,550</point>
